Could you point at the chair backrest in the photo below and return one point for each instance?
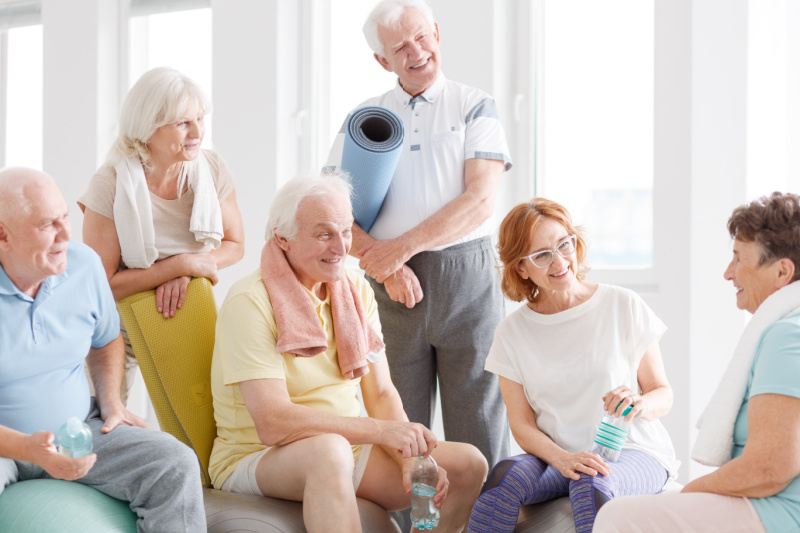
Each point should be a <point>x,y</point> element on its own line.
<point>174,355</point>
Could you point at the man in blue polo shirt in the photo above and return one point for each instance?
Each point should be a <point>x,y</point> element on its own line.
<point>57,311</point>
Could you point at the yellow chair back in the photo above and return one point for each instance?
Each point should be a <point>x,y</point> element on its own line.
<point>174,355</point>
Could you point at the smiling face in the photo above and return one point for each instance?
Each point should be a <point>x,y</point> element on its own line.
<point>178,141</point>
<point>323,240</point>
<point>753,282</point>
<point>560,275</point>
<point>34,243</point>
<point>411,51</point>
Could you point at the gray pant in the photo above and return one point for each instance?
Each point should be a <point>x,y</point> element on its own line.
<point>156,473</point>
<point>448,335</point>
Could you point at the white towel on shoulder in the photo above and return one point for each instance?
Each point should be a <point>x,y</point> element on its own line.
<point>715,438</point>
<point>133,211</point>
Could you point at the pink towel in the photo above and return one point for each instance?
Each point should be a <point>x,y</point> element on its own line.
<point>300,331</point>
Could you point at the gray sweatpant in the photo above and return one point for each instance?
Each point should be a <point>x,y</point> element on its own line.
<point>156,473</point>
<point>448,335</point>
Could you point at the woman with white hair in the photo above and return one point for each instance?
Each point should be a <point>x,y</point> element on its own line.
<point>161,210</point>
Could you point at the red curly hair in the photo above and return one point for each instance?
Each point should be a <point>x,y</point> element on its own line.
<point>516,232</point>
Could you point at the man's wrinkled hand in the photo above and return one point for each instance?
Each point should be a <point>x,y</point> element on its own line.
<point>403,286</point>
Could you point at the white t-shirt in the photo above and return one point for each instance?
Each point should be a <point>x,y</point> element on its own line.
<point>566,363</point>
<point>444,126</point>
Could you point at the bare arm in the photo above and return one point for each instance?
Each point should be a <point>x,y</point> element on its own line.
<point>279,421</point>
<point>100,233</point>
<point>771,457</point>
<point>40,450</point>
<point>463,214</point>
<point>106,368</point>
<point>532,440</point>
<point>656,398</point>
<point>231,249</point>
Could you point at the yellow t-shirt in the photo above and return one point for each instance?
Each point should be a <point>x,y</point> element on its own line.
<point>245,349</point>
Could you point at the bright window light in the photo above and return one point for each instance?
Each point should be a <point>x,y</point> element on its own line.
<point>597,124</point>
<point>354,73</point>
<point>179,39</point>
<point>24,98</point>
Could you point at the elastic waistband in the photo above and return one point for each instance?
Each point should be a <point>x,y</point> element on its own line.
<point>475,245</point>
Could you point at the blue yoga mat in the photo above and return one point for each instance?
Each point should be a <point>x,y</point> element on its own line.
<point>372,144</point>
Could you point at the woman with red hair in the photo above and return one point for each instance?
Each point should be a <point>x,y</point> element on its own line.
<point>577,351</point>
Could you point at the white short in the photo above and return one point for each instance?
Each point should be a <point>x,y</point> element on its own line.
<point>243,478</point>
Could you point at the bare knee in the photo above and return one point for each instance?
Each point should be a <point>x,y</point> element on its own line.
<point>332,458</point>
<point>468,467</point>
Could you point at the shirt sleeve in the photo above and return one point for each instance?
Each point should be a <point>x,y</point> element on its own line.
<point>107,320</point>
<point>223,177</point>
<point>99,196</point>
<point>246,340</point>
<point>499,361</point>
<point>485,137</point>
<point>777,367</point>
<point>646,327</point>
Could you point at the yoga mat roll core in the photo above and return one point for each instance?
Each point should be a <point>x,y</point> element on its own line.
<point>372,145</point>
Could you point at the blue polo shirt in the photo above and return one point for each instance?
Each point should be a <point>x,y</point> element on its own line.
<point>44,341</point>
<point>775,370</point>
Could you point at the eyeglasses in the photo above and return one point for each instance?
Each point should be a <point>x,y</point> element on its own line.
<point>543,259</point>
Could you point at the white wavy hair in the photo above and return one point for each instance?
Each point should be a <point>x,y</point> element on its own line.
<point>161,96</point>
<point>283,211</point>
<point>387,14</point>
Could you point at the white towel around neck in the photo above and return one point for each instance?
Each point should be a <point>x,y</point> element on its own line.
<point>715,437</point>
<point>133,210</point>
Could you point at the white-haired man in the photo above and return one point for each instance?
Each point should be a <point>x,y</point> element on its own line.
<point>56,308</point>
<point>288,416</point>
<point>432,235</point>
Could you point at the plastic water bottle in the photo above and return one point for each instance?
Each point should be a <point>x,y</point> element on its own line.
<point>424,514</point>
<point>75,438</point>
<point>612,434</point>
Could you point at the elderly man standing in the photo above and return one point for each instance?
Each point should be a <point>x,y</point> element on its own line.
<point>295,340</point>
<point>432,235</point>
<point>56,308</point>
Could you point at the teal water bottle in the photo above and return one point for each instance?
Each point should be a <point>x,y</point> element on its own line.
<point>75,438</point>
<point>612,434</point>
<point>424,514</point>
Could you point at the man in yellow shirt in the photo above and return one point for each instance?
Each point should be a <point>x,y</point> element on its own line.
<point>289,426</point>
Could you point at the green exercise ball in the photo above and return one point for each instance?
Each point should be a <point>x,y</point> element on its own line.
<point>55,506</point>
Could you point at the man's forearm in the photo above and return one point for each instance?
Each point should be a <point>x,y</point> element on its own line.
<point>106,368</point>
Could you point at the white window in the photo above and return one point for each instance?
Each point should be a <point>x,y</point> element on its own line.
<point>354,73</point>
<point>179,39</point>
<point>21,88</point>
<point>595,124</point>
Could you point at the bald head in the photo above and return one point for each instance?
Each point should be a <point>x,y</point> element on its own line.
<point>19,186</point>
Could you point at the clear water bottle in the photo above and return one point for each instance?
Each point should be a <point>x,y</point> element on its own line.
<point>424,514</point>
<point>612,434</point>
<point>75,438</point>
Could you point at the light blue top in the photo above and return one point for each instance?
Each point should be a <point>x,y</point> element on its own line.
<point>44,341</point>
<point>775,370</point>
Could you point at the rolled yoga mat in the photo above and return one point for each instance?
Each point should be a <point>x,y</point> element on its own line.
<point>372,145</point>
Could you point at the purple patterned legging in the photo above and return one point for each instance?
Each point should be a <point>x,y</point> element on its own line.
<point>525,479</point>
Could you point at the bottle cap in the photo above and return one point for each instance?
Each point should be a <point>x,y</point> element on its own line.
<point>74,426</point>
<point>626,411</point>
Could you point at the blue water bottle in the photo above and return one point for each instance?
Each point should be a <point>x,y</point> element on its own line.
<point>75,438</point>
<point>424,514</point>
<point>612,434</point>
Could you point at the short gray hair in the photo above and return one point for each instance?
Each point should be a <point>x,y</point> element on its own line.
<point>14,201</point>
<point>160,97</point>
<point>388,14</point>
<point>283,211</point>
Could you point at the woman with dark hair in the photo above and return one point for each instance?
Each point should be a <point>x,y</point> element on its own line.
<point>751,427</point>
<point>576,351</point>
